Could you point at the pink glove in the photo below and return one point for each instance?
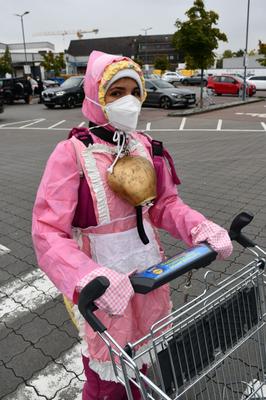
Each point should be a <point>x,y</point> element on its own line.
<point>116,298</point>
<point>215,235</point>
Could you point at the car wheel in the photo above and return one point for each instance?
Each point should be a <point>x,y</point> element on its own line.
<point>50,106</point>
<point>70,102</point>
<point>27,99</point>
<point>165,102</point>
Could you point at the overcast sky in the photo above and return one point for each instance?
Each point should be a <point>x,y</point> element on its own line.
<point>125,18</point>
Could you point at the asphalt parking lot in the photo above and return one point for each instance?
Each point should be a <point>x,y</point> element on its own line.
<point>220,158</point>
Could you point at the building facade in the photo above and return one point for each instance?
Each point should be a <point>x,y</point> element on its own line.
<point>28,63</point>
<point>144,48</point>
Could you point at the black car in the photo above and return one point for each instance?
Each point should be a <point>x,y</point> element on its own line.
<point>68,95</point>
<point>13,89</point>
<point>194,80</point>
<point>165,95</point>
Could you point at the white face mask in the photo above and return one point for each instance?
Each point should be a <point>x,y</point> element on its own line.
<point>124,113</point>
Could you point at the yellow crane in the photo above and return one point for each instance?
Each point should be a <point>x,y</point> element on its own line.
<point>79,33</point>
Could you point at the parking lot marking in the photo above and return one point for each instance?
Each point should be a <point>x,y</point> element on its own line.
<point>32,123</point>
<point>182,125</point>
<point>18,122</point>
<point>263,125</point>
<point>148,126</point>
<point>4,250</point>
<point>219,124</point>
<point>81,124</point>
<point>25,295</point>
<point>58,123</point>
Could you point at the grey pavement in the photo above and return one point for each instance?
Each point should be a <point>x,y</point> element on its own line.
<point>222,168</point>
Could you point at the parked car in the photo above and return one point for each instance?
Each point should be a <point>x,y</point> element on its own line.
<point>258,81</point>
<point>15,89</point>
<point>172,77</point>
<point>68,95</point>
<point>229,84</point>
<point>194,80</point>
<point>162,94</point>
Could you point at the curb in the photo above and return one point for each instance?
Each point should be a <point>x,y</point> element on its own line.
<point>214,107</point>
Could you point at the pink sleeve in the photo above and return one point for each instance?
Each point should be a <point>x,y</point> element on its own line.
<point>169,212</point>
<point>57,253</point>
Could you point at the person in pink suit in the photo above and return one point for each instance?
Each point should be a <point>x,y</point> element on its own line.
<point>83,228</point>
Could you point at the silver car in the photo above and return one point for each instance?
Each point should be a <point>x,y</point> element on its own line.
<point>165,95</point>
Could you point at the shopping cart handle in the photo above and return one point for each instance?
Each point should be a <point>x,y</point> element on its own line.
<point>152,278</point>
<point>88,295</point>
<point>239,222</point>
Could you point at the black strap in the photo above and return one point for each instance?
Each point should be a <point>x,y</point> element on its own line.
<point>102,133</point>
<point>157,148</point>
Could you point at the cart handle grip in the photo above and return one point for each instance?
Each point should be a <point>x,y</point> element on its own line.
<point>239,222</point>
<point>91,292</point>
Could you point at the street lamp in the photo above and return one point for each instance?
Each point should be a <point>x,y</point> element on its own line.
<point>245,56</point>
<point>23,34</point>
<point>146,30</point>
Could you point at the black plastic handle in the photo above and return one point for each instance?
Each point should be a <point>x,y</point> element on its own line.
<point>91,292</point>
<point>239,222</point>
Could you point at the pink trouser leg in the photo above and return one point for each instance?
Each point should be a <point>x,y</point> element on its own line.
<point>97,389</point>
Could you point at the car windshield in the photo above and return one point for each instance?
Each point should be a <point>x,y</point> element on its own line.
<point>163,85</point>
<point>70,82</point>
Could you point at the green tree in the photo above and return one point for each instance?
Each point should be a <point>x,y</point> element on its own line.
<point>6,63</point>
<point>197,38</point>
<point>162,63</point>
<point>228,54</point>
<point>239,53</point>
<point>262,51</point>
<point>53,63</point>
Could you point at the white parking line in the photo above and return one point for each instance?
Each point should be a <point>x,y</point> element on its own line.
<point>219,124</point>
<point>4,250</point>
<point>18,122</point>
<point>81,124</point>
<point>32,123</point>
<point>26,294</point>
<point>58,123</point>
<point>263,125</point>
<point>182,125</point>
<point>148,126</point>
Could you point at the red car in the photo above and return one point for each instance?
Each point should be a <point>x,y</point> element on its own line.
<point>229,84</point>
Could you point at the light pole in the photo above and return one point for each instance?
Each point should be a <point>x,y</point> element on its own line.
<point>23,34</point>
<point>245,56</point>
<point>146,30</point>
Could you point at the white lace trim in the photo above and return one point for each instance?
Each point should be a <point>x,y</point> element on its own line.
<point>97,184</point>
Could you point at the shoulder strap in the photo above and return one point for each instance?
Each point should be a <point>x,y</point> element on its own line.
<point>158,153</point>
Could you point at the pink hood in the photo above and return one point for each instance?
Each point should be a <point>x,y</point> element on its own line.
<point>97,63</point>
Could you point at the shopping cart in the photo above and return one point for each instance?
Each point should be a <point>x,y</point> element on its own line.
<point>210,348</point>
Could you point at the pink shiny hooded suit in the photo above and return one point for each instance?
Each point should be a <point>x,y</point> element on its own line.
<point>70,256</point>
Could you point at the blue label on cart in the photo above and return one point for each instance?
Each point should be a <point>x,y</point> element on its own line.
<point>174,263</point>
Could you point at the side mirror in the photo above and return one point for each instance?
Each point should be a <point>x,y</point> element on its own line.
<point>153,88</point>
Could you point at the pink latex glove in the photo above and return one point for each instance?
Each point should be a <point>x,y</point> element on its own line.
<point>216,236</point>
<point>116,298</point>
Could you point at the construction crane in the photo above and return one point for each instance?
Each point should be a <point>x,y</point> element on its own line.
<point>80,33</point>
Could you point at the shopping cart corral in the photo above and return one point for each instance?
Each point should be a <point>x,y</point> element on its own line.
<point>210,348</point>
